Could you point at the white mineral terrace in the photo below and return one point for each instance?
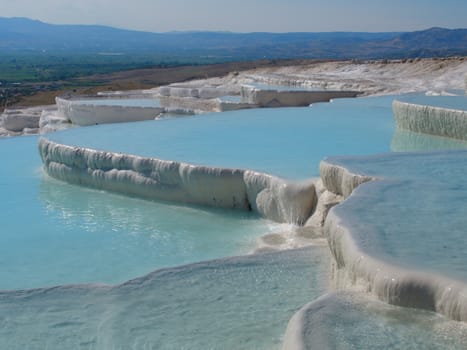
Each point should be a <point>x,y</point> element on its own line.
<point>345,320</point>
<point>92,112</point>
<point>399,279</point>
<point>275,199</point>
<point>333,207</point>
<point>340,78</point>
<point>433,120</point>
<point>271,197</point>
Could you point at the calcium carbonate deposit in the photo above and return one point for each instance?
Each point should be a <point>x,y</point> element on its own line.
<point>370,193</point>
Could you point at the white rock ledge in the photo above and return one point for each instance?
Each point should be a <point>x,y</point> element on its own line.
<point>83,114</point>
<point>272,97</point>
<point>150,178</point>
<point>431,120</point>
<point>390,283</point>
<point>349,320</point>
<point>339,180</point>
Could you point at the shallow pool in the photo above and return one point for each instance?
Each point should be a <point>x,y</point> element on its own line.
<point>416,215</point>
<point>287,142</point>
<point>453,102</point>
<point>58,234</point>
<point>344,321</point>
<point>54,233</point>
<point>101,237</point>
<point>236,303</point>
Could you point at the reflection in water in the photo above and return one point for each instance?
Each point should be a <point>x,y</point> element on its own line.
<point>408,141</point>
<point>110,238</point>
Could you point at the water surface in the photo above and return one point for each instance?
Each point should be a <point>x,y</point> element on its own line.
<point>287,142</point>
<point>416,215</point>
<point>54,233</point>
<point>236,303</point>
<point>452,102</point>
<point>352,321</point>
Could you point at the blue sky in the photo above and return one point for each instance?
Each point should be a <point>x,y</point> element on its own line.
<point>247,15</point>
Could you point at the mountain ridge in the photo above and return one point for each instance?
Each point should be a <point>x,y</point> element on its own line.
<point>20,34</point>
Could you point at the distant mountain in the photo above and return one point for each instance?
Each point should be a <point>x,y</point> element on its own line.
<point>26,35</point>
<point>432,42</point>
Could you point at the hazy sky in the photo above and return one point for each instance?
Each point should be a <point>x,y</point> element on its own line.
<point>246,15</point>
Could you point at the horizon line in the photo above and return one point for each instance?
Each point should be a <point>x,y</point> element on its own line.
<point>175,31</point>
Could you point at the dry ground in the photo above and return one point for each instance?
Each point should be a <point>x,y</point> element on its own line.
<point>149,78</point>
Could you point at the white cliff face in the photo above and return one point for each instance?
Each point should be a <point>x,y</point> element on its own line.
<point>280,200</point>
<point>189,105</point>
<point>339,180</point>
<point>357,267</point>
<point>16,121</point>
<point>52,120</point>
<point>82,113</point>
<point>199,96</point>
<point>198,90</point>
<point>151,178</point>
<point>394,285</point>
<point>271,97</point>
<point>144,177</point>
<point>431,120</point>
<point>20,121</point>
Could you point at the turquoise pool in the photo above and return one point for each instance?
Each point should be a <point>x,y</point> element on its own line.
<point>344,321</point>
<point>64,235</point>
<point>287,142</point>
<point>54,233</point>
<point>453,102</point>
<point>101,237</point>
<point>235,303</point>
<point>416,215</point>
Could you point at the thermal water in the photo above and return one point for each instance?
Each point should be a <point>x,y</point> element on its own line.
<point>54,233</point>
<point>287,142</point>
<point>415,214</point>
<point>235,303</point>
